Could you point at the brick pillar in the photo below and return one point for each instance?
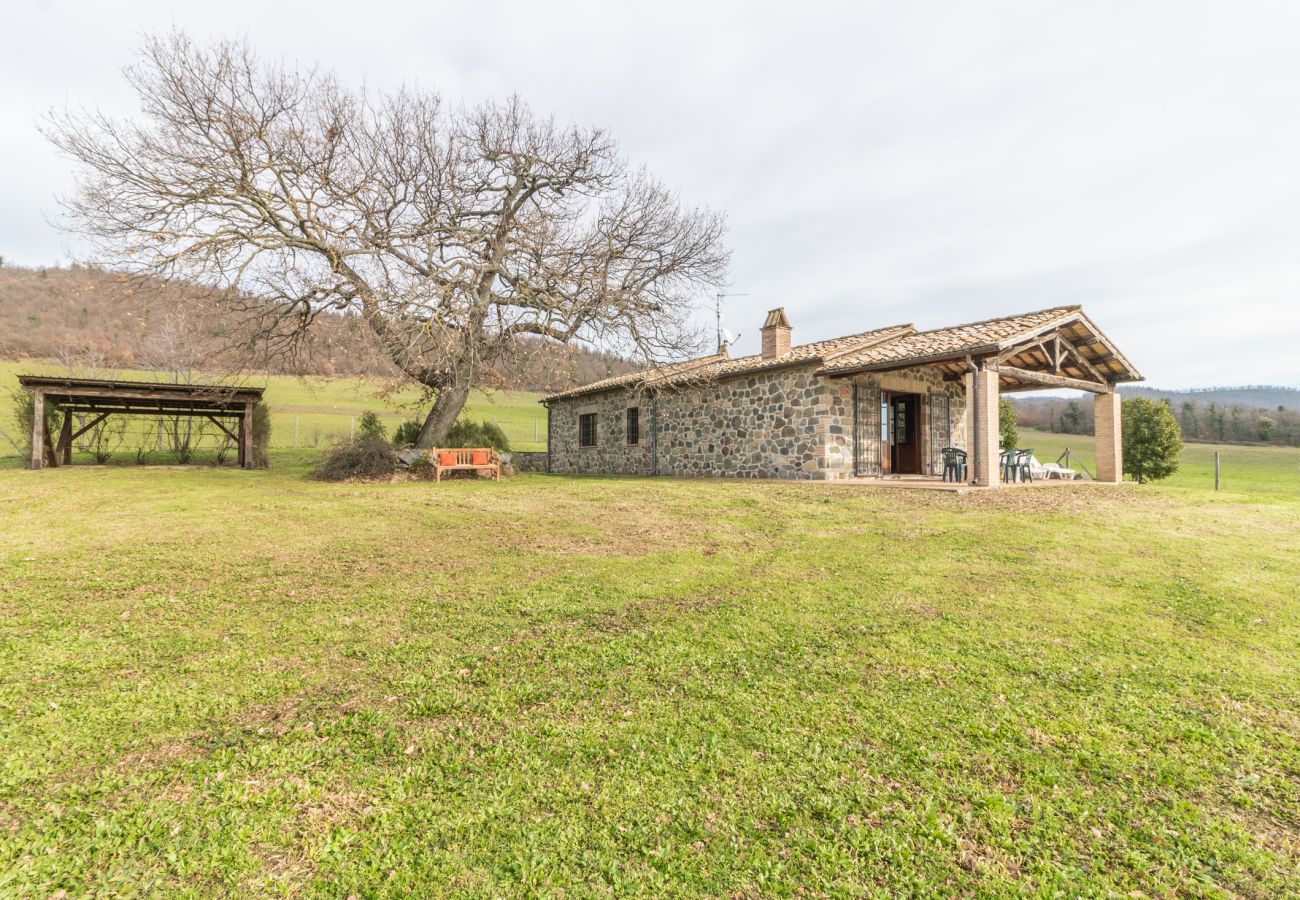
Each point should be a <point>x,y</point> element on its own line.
<point>968,384</point>
<point>984,421</point>
<point>1110,446</point>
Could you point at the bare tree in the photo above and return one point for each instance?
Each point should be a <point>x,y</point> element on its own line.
<point>175,345</point>
<point>451,231</point>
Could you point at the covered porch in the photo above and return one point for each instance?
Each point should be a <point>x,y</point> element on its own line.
<point>904,395</point>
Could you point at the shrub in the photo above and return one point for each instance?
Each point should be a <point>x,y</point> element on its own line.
<point>182,436</point>
<point>407,433</point>
<point>1152,440</point>
<point>364,458</point>
<point>370,427</point>
<point>105,439</point>
<point>24,413</point>
<point>422,467</point>
<point>1008,432</point>
<point>261,435</point>
<point>467,433</point>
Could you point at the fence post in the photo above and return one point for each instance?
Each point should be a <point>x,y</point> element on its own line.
<point>1216,470</point>
<point>295,431</point>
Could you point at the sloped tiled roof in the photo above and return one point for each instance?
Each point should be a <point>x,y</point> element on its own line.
<point>953,341</point>
<point>707,368</point>
<point>883,348</point>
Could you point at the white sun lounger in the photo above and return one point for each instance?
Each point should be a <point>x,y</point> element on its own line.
<point>1049,470</point>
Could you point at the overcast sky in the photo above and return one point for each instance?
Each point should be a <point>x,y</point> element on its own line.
<point>915,162</point>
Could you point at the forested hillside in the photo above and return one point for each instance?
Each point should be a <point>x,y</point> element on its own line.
<point>92,318</point>
<point>1272,415</point>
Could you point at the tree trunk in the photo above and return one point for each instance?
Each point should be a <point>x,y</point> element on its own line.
<point>451,400</point>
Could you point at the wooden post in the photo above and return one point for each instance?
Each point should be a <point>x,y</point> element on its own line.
<point>246,438</point>
<point>65,438</point>
<point>1216,470</point>
<point>38,430</point>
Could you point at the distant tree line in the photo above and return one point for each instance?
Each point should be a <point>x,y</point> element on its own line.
<point>1206,422</point>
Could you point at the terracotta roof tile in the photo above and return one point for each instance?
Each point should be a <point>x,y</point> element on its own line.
<point>716,366</point>
<point>879,348</point>
<point>953,341</point>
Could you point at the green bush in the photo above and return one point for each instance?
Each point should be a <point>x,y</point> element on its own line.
<point>422,467</point>
<point>467,433</point>
<point>407,433</point>
<point>1008,431</point>
<point>261,435</point>
<point>370,427</point>
<point>1152,439</point>
<point>24,407</point>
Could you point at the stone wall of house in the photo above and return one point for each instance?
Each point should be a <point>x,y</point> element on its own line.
<point>764,425</point>
<point>612,454</point>
<point>785,423</point>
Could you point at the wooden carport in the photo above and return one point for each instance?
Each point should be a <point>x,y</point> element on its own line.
<point>229,408</point>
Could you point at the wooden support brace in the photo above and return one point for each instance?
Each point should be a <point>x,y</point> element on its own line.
<point>230,434</point>
<point>1083,363</point>
<point>84,428</point>
<point>1046,378</point>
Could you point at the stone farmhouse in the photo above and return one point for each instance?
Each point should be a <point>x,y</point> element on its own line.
<point>878,404</point>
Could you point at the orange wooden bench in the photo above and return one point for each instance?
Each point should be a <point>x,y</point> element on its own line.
<point>465,459</point>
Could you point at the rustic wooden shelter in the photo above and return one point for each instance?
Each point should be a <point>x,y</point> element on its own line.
<point>229,408</point>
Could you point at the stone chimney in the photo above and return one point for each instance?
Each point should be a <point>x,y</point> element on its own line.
<point>776,334</point>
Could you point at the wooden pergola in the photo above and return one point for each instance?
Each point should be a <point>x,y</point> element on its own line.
<point>229,408</point>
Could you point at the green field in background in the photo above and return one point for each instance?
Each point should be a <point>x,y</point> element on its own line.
<point>1255,469</point>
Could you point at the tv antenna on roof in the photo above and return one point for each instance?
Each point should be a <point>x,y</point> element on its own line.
<point>725,338</point>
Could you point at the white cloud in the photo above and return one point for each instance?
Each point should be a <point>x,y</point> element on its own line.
<point>927,162</point>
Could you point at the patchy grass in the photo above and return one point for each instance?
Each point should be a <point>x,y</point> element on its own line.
<point>325,408</point>
<point>215,682</point>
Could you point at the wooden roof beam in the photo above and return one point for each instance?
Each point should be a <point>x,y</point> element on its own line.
<point>1061,381</point>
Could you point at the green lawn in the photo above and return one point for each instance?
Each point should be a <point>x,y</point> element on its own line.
<point>324,410</point>
<point>221,682</point>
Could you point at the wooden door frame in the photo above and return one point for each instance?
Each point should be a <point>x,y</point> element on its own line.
<point>914,416</point>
